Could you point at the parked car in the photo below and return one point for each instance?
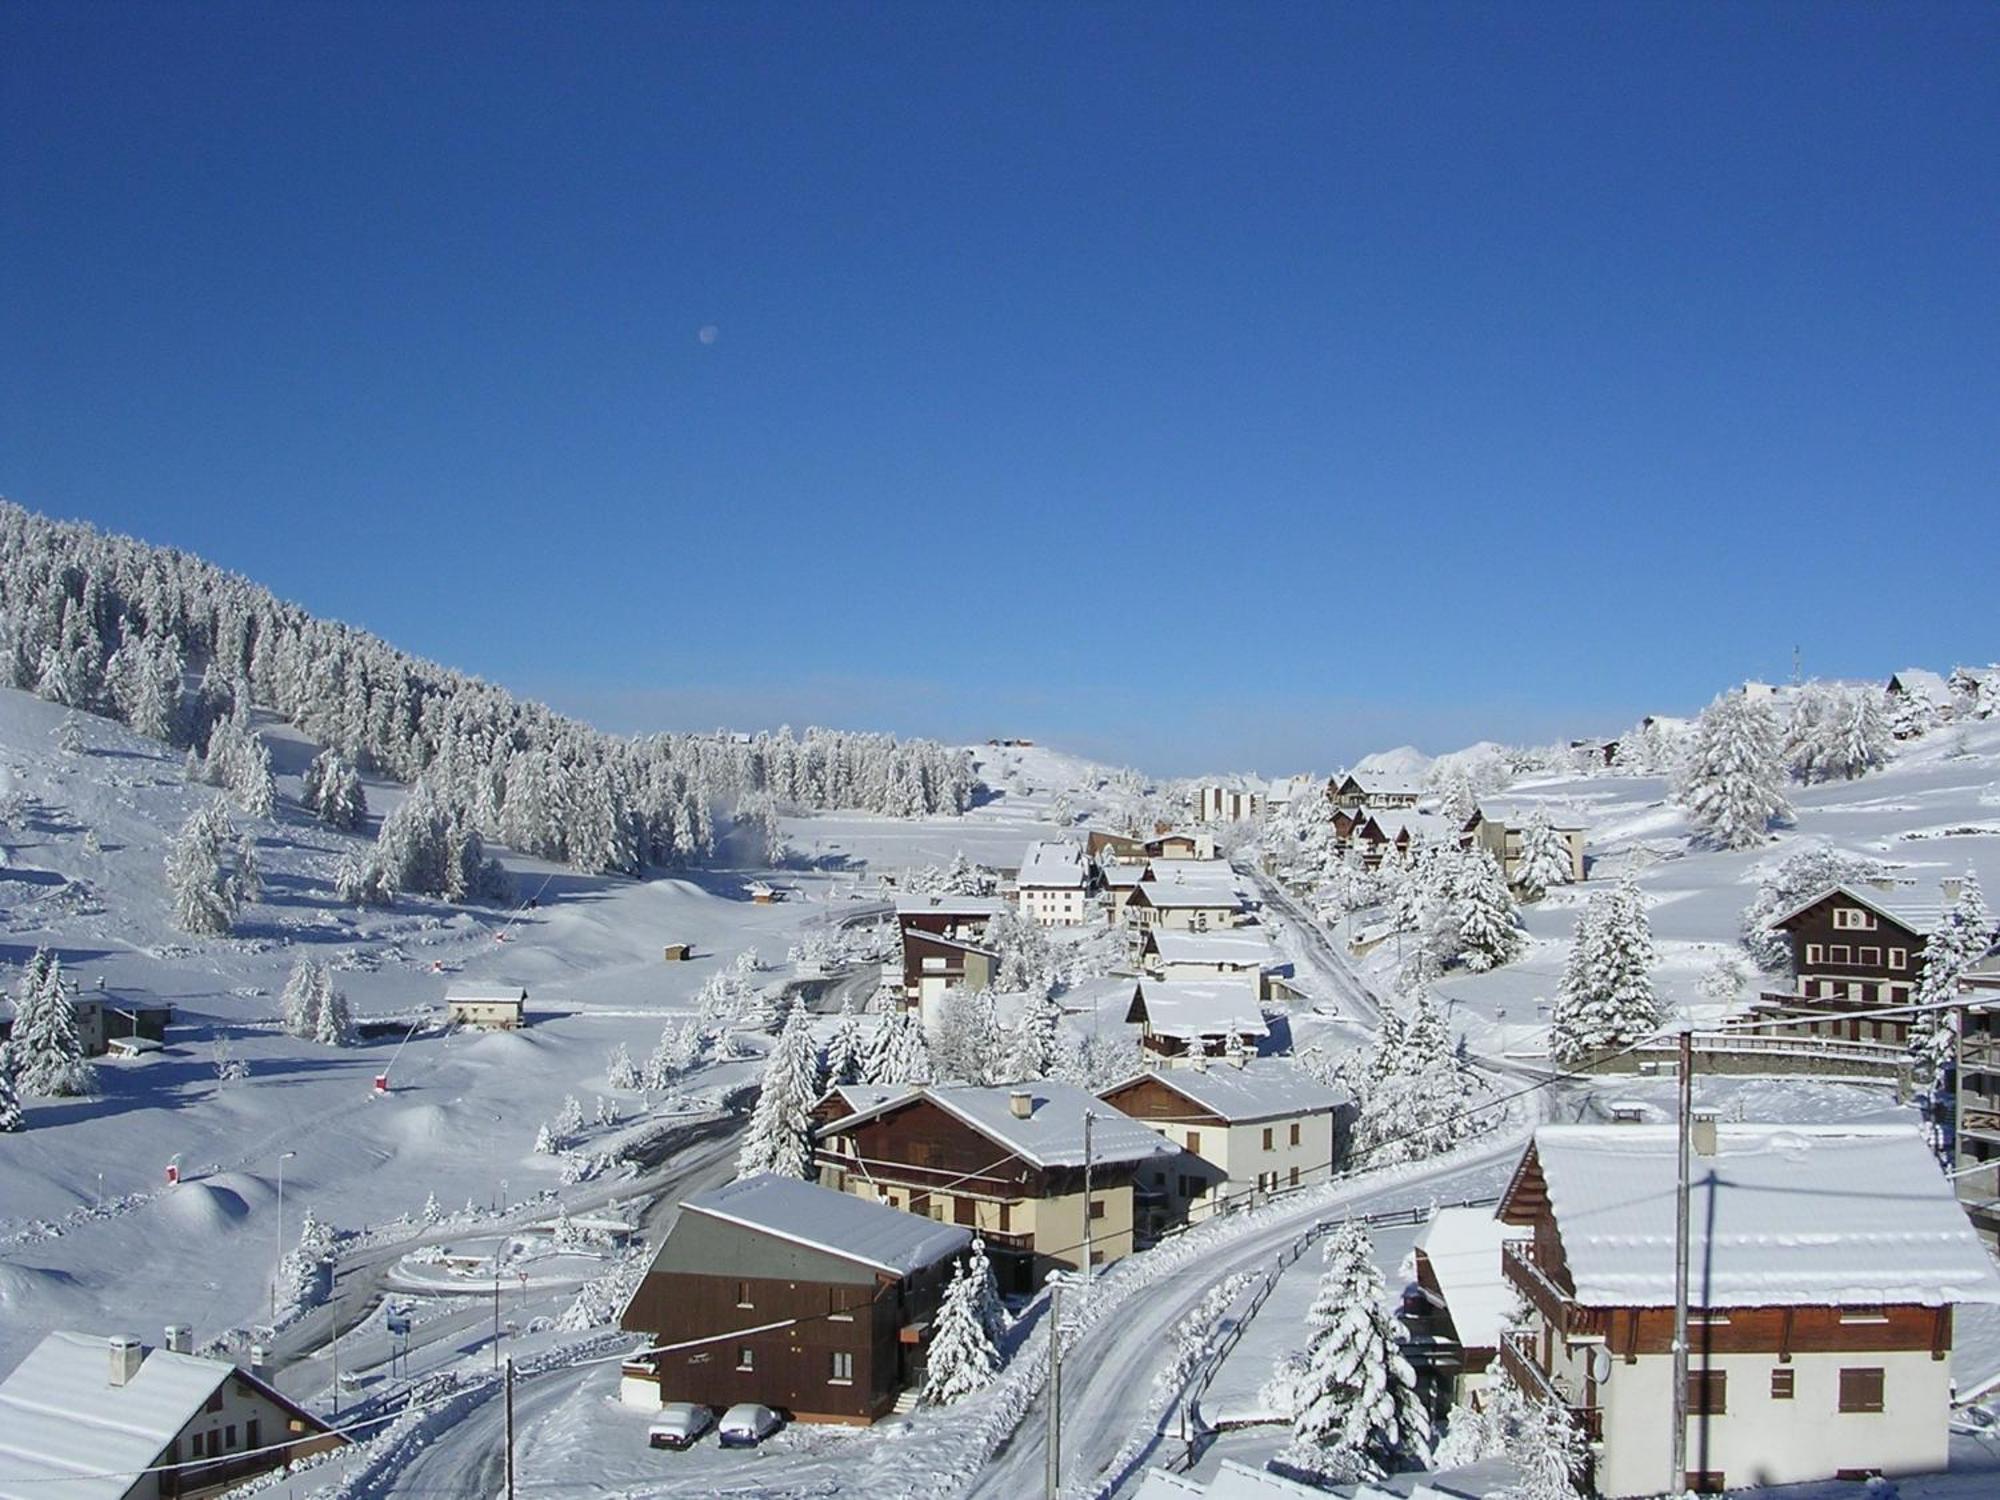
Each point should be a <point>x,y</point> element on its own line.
<point>679,1424</point>
<point>747,1425</point>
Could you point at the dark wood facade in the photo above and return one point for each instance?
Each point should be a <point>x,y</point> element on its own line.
<point>858,1338</point>
<point>1849,955</point>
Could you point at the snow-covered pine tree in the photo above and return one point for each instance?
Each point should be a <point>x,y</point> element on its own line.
<point>780,1135</point>
<point>1959,940</point>
<point>299,1006</point>
<point>962,1358</point>
<point>993,1314</point>
<point>1489,931</point>
<point>250,780</point>
<point>898,1053</point>
<point>47,1047</point>
<point>545,1141</point>
<point>1731,781</point>
<point>1418,1099</point>
<point>968,1046</point>
<point>844,1050</point>
<point>203,893</point>
<point>1606,997</point>
<point>1359,1415</point>
<point>362,879</point>
<point>1036,1040</point>
<point>333,1021</point>
<point>12,1116</point>
<point>1548,1451</point>
<point>621,1072</point>
<point>1545,860</point>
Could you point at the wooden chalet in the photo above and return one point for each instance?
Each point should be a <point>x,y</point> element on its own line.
<point>1853,950</point>
<point>1826,1263</point>
<point>856,1286</point>
<point>941,944</point>
<point>1366,789</point>
<point>1457,1306</point>
<point>1009,1163</point>
<point>1181,1022</point>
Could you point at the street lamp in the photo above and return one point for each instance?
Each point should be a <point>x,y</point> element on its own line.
<point>287,1156</point>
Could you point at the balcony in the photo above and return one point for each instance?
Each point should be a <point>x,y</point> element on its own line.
<point>1517,1358</point>
<point>1522,1264</point>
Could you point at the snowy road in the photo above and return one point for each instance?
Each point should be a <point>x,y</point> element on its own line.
<point>1108,1393</point>
<point>1356,999</point>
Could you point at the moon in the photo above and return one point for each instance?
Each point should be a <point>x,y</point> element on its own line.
<point>708,333</point>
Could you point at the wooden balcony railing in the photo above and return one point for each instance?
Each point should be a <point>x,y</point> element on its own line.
<point>1517,1358</point>
<point>1522,1266</point>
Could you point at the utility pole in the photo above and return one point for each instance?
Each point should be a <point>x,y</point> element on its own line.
<point>510,1427</point>
<point>333,1313</point>
<point>1053,1481</point>
<point>1678,1480</point>
<point>1089,1233</point>
<point>496,1309</point>
<point>287,1156</point>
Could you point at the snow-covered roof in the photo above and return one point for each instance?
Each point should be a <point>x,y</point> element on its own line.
<point>950,906</point>
<point>1921,682</point>
<point>841,1224</point>
<point>486,992</point>
<point>1052,864</point>
<point>1515,814</point>
<point>1237,947</point>
<point>1120,874</point>
<point>61,1418</point>
<point>1782,1215</point>
<point>1263,1088</point>
<point>1232,1481</point>
<point>1051,1135</point>
<point>1187,1009</point>
<point>1372,784</point>
<point>1921,917</point>
<point>1463,1248</point>
<point>1422,827</point>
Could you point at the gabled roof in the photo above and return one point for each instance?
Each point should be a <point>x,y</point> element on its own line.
<point>1782,1215</point>
<point>1184,894</point>
<point>1051,1136</point>
<point>1264,1088</point>
<point>1921,682</point>
<point>1369,784</point>
<point>1235,947</point>
<point>486,991</point>
<point>1462,1246</point>
<point>66,1430</point>
<point>1516,814</point>
<point>1921,918</point>
<point>1186,1009</point>
<point>940,940</point>
<point>1422,827</point>
<point>1052,864</point>
<point>839,1224</point>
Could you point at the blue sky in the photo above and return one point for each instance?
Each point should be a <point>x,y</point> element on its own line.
<point>1197,387</point>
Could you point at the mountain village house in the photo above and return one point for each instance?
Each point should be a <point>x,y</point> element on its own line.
<point>1181,1023</point>
<point>1814,1355</point>
<point>1227,804</point>
<point>1365,789</point>
<point>86,1418</point>
<point>1008,1163</point>
<point>104,1018</point>
<point>1976,1097</point>
<point>1185,896</point>
<point>1199,844</point>
<point>941,945</point>
<point>1855,951</point>
<point>1457,1306</point>
<point>486,1006</point>
<point>1499,830</point>
<point>1921,685</point>
<point>1246,1130</point>
<point>1379,831</point>
<point>1232,953</point>
<point>863,1283</point>
<point>1054,884</point>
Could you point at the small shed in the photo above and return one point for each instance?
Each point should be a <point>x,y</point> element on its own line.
<point>678,953</point>
<point>764,893</point>
<point>490,1007</point>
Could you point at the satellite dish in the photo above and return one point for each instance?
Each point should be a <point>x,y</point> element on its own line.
<point>1600,1364</point>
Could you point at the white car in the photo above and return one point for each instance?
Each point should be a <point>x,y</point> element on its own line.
<point>679,1424</point>
<point>747,1425</point>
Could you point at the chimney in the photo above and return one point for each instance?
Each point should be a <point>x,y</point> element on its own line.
<point>1701,1135</point>
<point>126,1355</point>
<point>1952,887</point>
<point>1020,1104</point>
<point>180,1338</point>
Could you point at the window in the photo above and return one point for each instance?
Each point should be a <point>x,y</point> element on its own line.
<point>1705,1481</point>
<point>1194,1142</point>
<point>843,1368</point>
<point>229,1436</point>
<point>1861,1390</point>
<point>1006,1217</point>
<point>1097,1208</point>
<point>1863,1314</point>
<point>1813,953</point>
<point>1096,1257</point>
<point>1854,917</point>
<point>964,1211</point>
<point>214,1401</point>
<point>836,1310</point>
<point>743,1294</point>
<point>1295,1132</point>
<point>1869,955</point>
<point>933,966</point>
<point>746,1357</point>
<point>1295,1177</point>
<point>1837,953</point>
<point>1269,1134</point>
<point>1708,1393</point>
<point>1899,958</point>
<point>1781,1384</point>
